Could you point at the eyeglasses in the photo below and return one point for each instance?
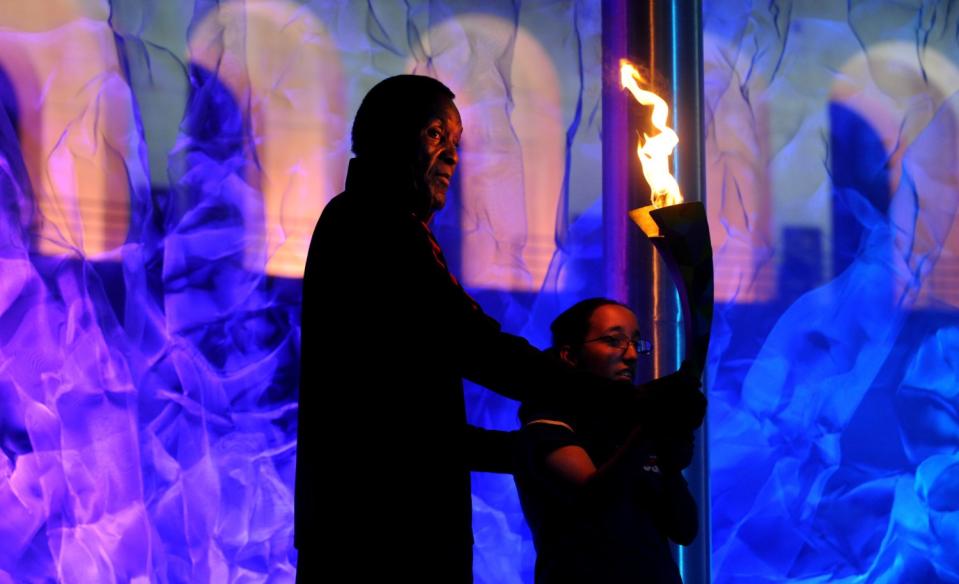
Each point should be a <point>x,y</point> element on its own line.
<point>622,342</point>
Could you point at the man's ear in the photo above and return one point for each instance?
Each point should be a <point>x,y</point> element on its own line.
<point>567,355</point>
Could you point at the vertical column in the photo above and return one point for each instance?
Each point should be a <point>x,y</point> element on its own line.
<point>616,132</point>
<point>689,168</point>
<point>664,39</point>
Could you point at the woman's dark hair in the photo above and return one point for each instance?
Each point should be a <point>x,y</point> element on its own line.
<point>393,112</point>
<point>570,327</point>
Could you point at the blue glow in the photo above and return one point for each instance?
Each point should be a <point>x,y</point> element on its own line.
<point>832,373</point>
<point>148,364</point>
<point>149,238</point>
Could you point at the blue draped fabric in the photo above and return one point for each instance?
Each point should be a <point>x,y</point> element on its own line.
<point>161,167</point>
<point>831,144</point>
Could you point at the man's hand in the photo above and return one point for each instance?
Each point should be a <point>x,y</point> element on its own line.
<point>672,405</point>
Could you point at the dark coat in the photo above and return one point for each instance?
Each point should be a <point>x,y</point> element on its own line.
<point>388,334</point>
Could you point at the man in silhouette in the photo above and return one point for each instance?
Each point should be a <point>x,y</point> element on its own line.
<point>384,451</point>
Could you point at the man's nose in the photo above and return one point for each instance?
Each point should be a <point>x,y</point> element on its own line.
<point>631,355</point>
<point>450,155</point>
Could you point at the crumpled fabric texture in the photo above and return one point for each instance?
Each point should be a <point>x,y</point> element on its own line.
<point>162,166</point>
<point>831,146</point>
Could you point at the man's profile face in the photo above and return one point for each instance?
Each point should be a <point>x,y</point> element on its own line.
<point>436,155</point>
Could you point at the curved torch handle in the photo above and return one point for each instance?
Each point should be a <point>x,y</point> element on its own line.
<point>681,234</point>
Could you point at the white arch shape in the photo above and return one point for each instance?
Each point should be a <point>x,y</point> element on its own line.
<point>512,160</point>
<point>738,186</point>
<point>907,103</point>
<point>79,142</point>
<point>279,60</point>
<point>77,121</point>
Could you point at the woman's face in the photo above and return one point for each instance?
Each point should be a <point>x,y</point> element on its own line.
<point>609,325</point>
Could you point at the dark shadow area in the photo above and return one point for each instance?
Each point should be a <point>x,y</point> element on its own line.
<point>860,183</point>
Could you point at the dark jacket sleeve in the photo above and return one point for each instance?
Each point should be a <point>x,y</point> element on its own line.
<point>510,366</point>
<point>490,450</point>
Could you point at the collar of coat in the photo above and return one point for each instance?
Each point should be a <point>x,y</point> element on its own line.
<point>388,184</point>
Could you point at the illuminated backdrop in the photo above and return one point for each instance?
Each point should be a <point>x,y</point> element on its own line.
<point>163,165</point>
<point>831,146</point>
<point>161,168</point>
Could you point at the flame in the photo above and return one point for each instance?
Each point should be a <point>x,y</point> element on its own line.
<point>654,151</point>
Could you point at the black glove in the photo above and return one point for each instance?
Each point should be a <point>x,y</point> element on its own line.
<point>671,405</point>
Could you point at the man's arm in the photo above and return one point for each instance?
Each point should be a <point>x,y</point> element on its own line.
<point>510,366</point>
<point>490,450</point>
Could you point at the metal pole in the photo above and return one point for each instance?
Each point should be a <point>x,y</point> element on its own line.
<point>663,38</point>
<point>616,165</point>
<point>688,100</point>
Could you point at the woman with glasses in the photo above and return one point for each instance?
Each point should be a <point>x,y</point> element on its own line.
<point>603,504</point>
